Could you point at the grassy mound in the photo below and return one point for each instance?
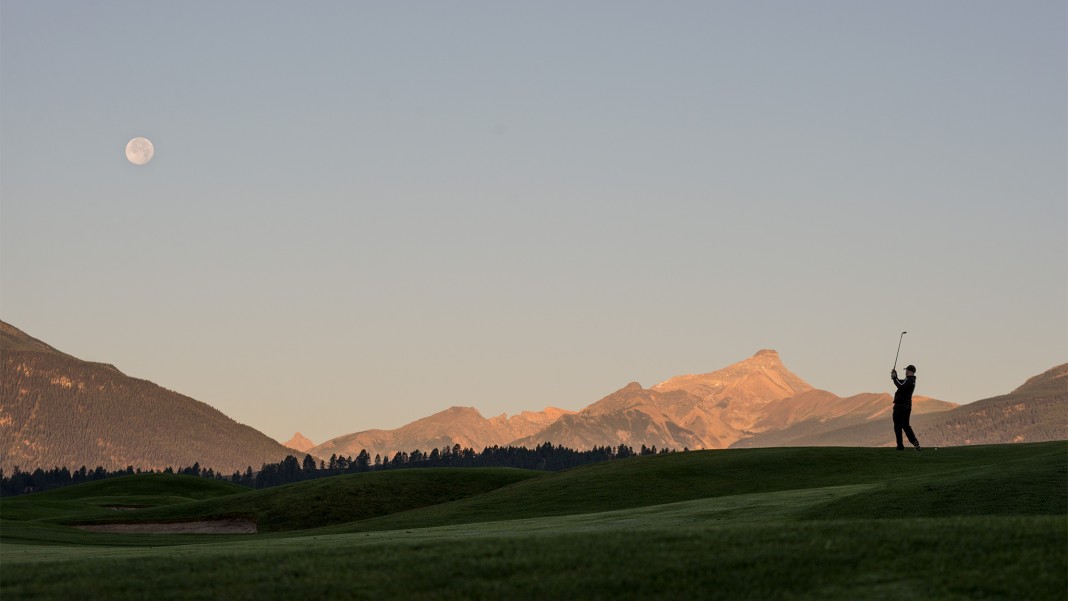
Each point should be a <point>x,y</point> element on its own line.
<point>176,485</point>
<point>828,524</point>
<point>97,498</point>
<point>644,481</point>
<point>1030,484</point>
<point>337,499</point>
<point>1001,479</point>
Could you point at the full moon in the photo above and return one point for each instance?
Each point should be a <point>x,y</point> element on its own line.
<point>139,151</point>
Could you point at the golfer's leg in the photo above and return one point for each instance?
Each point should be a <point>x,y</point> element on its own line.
<point>897,428</point>
<point>911,436</point>
<point>908,428</point>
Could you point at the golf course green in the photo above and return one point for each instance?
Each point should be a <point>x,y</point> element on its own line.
<point>979,522</point>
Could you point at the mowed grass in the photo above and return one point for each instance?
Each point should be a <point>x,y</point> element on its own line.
<point>335,500</point>
<point>643,481</point>
<point>959,523</point>
<point>97,498</point>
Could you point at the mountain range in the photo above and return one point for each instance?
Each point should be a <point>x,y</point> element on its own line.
<point>741,402</point>
<point>1037,411</point>
<point>57,410</point>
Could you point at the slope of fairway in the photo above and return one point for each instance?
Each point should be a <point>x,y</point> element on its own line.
<point>1005,479</point>
<point>98,498</point>
<point>644,481</point>
<point>1032,484</point>
<point>177,485</point>
<point>769,524</point>
<point>683,553</point>
<point>337,499</point>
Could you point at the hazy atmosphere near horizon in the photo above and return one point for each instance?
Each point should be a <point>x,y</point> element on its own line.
<point>359,214</point>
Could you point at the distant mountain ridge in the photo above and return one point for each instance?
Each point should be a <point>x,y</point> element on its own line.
<point>464,426</point>
<point>59,411</point>
<point>1036,411</point>
<point>754,397</point>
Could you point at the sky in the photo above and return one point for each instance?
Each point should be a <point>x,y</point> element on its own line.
<point>361,213</point>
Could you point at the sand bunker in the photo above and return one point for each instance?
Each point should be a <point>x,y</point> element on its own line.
<point>234,526</point>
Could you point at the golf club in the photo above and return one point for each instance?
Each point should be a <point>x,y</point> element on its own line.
<point>898,349</point>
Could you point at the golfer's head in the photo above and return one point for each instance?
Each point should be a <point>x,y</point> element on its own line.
<point>910,370</point>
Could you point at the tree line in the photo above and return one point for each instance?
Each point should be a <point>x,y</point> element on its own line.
<point>545,457</point>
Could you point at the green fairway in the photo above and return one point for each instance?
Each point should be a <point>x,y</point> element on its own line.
<point>336,500</point>
<point>960,523</point>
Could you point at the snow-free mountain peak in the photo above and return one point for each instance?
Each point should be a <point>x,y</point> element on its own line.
<point>761,377</point>
<point>300,443</point>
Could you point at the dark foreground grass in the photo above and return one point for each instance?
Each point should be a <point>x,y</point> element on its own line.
<point>96,498</point>
<point>176,485</point>
<point>952,558</point>
<point>963,523</point>
<point>1030,484</point>
<point>992,479</point>
<point>303,505</point>
<point>386,500</point>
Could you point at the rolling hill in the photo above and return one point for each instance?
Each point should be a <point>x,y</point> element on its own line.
<point>977,522</point>
<point>421,498</point>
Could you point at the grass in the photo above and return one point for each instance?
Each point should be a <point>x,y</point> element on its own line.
<point>960,523</point>
<point>335,500</point>
<point>643,481</point>
<point>96,498</point>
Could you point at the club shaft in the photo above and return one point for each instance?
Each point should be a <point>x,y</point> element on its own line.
<point>898,349</point>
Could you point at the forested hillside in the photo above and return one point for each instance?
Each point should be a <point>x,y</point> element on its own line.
<point>56,410</point>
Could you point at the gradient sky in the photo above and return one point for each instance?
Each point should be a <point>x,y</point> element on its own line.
<point>362,213</point>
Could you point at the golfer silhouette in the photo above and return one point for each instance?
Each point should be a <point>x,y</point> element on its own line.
<point>903,406</point>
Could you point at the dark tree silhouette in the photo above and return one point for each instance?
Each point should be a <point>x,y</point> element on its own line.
<point>543,457</point>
